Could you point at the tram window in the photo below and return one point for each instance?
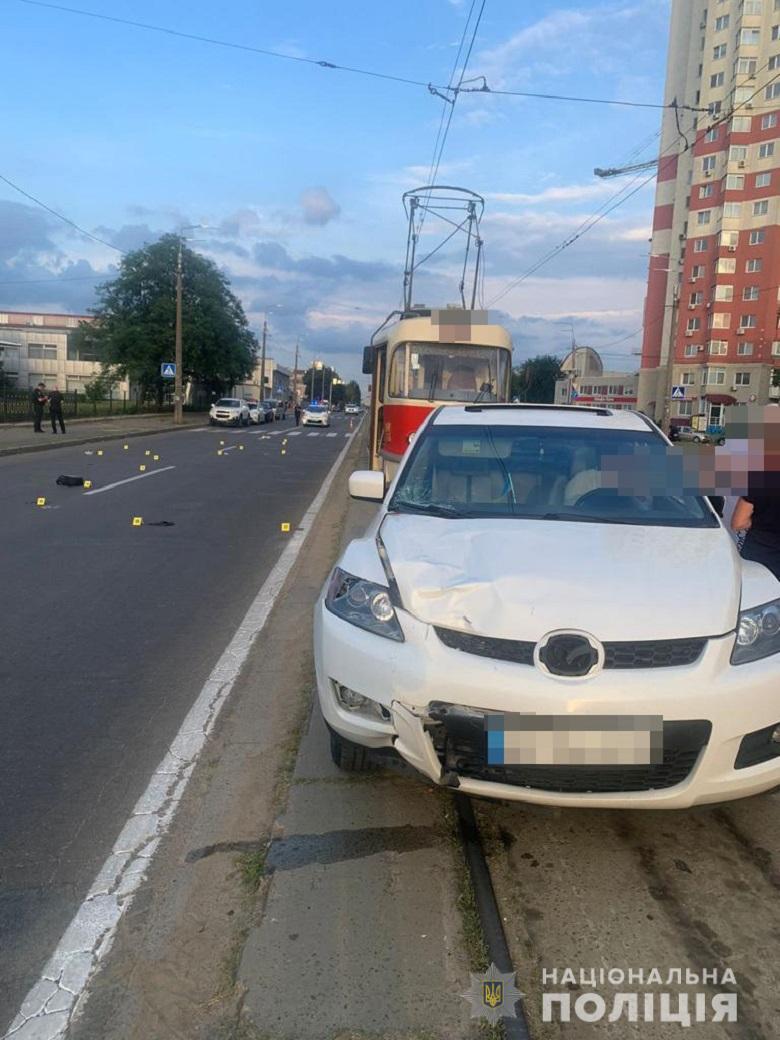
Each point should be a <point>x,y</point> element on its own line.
<point>448,372</point>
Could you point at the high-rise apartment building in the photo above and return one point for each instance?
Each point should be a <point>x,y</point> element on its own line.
<point>713,298</point>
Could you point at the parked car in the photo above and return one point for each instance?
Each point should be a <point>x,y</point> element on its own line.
<point>511,625</point>
<point>268,411</point>
<point>687,433</point>
<point>352,409</point>
<point>229,411</point>
<point>315,415</point>
<point>255,412</point>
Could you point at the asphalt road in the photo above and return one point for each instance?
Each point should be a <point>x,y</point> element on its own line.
<point>109,631</point>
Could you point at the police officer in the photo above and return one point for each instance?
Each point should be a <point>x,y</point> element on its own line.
<point>55,410</point>
<point>38,401</point>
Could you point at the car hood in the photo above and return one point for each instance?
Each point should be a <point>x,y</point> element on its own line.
<point>519,579</point>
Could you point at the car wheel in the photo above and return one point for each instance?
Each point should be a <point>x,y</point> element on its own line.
<point>697,440</point>
<point>212,422</point>
<point>721,440</point>
<point>348,756</point>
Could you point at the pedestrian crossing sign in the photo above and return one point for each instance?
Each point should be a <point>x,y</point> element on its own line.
<point>678,393</point>
<point>168,370</point>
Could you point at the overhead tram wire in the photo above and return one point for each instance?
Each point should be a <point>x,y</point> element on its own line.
<point>453,100</point>
<point>335,66</point>
<point>616,201</point>
<point>59,216</point>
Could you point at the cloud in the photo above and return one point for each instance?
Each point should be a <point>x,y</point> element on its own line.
<point>559,193</point>
<point>319,207</point>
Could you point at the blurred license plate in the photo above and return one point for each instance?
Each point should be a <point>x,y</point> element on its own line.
<point>574,740</point>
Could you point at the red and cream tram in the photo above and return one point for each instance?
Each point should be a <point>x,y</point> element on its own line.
<point>428,358</point>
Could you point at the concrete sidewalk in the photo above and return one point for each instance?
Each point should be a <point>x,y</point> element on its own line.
<point>17,439</point>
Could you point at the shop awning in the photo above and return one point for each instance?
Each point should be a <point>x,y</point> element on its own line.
<point>720,399</point>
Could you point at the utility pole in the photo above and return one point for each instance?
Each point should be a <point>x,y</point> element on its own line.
<point>295,376</point>
<point>666,405</point>
<point>177,391</point>
<point>262,359</point>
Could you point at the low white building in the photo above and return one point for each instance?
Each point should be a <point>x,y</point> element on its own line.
<point>37,348</point>
<point>278,382</point>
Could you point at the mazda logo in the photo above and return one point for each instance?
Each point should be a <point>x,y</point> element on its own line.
<point>569,654</point>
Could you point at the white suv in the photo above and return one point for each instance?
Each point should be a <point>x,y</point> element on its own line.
<point>229,411</point>
<point>516,624</point>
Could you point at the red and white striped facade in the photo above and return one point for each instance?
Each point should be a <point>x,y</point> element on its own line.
<point>712,294</point>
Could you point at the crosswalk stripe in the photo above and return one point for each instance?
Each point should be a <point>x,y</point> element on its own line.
<point>314,433</point>
<point>331,435</point>
<point>294,433</point>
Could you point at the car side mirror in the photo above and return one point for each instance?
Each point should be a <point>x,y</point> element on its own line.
<point>368,485</point>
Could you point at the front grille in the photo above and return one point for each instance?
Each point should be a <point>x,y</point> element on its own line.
<point>461,747</point>
<point>651,653</point>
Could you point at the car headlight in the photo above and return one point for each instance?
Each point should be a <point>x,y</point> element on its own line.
<point>758,633</point>
<point>363,603</point>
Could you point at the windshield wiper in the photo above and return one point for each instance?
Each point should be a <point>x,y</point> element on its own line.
<point>431,508</point>
<point>585,518</point>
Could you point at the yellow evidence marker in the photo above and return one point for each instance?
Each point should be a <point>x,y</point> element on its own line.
<point>284,451</point>
<point>40,501</point>
<point>285,528</point>
<point>137,521</point>
<point>125,446</point>
<point>222,443</point>
<point>156,458</point>
<point>241,447</point>
<point>100,451</point>
<point>87,483</point>
<point>142,468</point>
<point>147,453</point>
<point>220,451</point>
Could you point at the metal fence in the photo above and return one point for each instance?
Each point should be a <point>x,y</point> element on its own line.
<point>16,405</point>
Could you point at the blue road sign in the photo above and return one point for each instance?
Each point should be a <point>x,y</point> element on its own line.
<point>678,393</point>
<point>168,370</point>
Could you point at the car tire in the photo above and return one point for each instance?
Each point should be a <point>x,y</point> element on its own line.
<point>350,757</point>
<point>697,440</point>
<point>721,440</point>
<point>212,422</point>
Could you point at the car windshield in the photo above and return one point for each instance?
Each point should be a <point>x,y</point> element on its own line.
<point>315,408</point>
<point>228,402</point>
<point>549,473</point>
<point>448,372</point>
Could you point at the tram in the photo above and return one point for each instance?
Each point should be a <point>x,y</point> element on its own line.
<point>424,359</point>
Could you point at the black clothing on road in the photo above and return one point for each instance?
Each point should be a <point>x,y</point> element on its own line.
<point>55,411</point>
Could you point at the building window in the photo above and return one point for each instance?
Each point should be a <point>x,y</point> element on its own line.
<point>763,180</point>
<point>721,320</point>
<point>735,182</point>
<point>750,37</point>
<point>737,153</point>
<point>711,135</point>
<point>753,266</point>
<point>685,407</point>
<point>770,120</point>
<point>697,271</point>
<point>703,216</point>
<point>766,149</point>
<point>776,32</point>
<point>9,358</point>
<point>745,66</point>
<point>752,7</point>
<point>716,80</point>
<point>716,376</point>
<point>742,379</point>
<point>3,318</point>
<point>691,350</point>
<point>774,63</point>
<point>714,107</point>
<point>729,238</point>
<point>724,293</point>
<point>721,23</point>
<point>744,349</point>
<point>719,346</point>
<point>696,299</point>
<point>719,52</point>
<point>757,237</point>
<point>700,245</point>
<point>708,164</point>
<point>741,125</point>
<point>772,91</point>
<point>81,353</point>
<point>688,379</point>
<point>694,324</point>
<point>42,351</point>
<point>761,208</point>
<point>727,265</point>
<point>732,210</point>
<point>748,321</point>
<point>750,292</point>
<point>776,348</point>
<point>705,192</point>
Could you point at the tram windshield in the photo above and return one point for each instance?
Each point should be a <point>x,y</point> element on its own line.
<point>448,372</point>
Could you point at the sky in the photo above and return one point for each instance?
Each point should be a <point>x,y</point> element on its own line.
<point>297,171</point>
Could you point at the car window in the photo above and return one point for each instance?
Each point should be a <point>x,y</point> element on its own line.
<point>614,476</point>
<point>228,402</point>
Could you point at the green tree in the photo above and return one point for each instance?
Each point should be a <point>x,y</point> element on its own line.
<point>100,387</point>
<point>352,393</point>
<point>534,381</point>
<point>317,382</point>
<point>6,381</point>
<point>133,331</point>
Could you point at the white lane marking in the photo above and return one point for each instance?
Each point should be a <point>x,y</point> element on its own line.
<point>314,433</point>
<point>331,435</point>
<point>232,447</point>
<point>62,990</point>
<point>294,433</point>
<point>128,480</point>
